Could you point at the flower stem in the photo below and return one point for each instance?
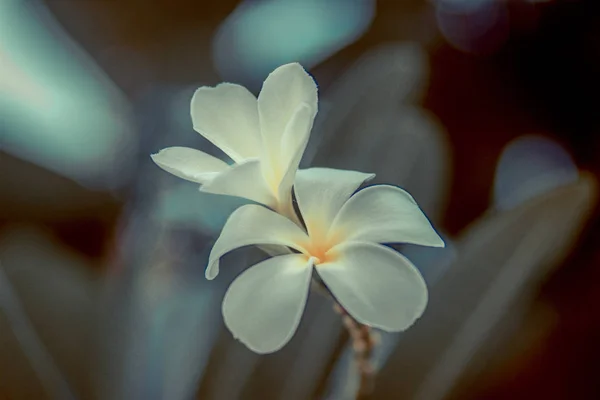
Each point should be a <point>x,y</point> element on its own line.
<point>363,343</point>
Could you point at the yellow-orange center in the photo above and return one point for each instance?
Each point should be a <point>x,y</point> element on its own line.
<point>319,246</point>
<point>318,251</point>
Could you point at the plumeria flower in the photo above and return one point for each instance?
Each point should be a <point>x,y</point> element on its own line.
<point>342,241</point>
<point>265,138</point>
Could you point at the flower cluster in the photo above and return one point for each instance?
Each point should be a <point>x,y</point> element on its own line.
<point>338,233</point>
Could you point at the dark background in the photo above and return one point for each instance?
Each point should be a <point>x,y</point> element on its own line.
<point>540,75</point>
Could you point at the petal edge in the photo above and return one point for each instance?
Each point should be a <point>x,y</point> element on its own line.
<point>242,180</point>
<point>385,214</point>
<point>253,225</point>
<point>263,306</point>
<point>227,115</point>
<point>376,285</point>
<point>189,164</point>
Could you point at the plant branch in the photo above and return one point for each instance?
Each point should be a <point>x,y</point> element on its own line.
<point>363,343</point>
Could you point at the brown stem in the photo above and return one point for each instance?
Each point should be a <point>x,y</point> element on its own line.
<point>363,343</point>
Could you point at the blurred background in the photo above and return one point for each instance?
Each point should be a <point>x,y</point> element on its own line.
<point>485,110</point>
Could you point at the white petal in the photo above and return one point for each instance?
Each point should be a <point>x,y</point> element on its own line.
<point>242,180</point>
<point>321,193</point>
<point>376,285</point>
<point>293,145</point>
<point>284,90</point>
<point>190,164</point>
<point>227,115</point>
<point>385,214</point>
<point>263,306</point>
<point>250,225</point>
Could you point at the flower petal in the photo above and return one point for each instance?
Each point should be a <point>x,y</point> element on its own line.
<point>242,180</point>
<point>294,141</point>
<point>190,164</point>
<point>253,224</point>
<point>385,214</point>
<point>227,115</point>
<point>321,193</point>
<point>283,92</point>
<point>376,285</point>
<point>263,306</point>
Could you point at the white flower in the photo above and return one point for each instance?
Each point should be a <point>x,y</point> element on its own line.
<point>376,285</point>
<point>265,137</point>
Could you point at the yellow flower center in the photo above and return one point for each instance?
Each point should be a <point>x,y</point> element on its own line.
<point>319,251</point>
<point>320,247</point>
